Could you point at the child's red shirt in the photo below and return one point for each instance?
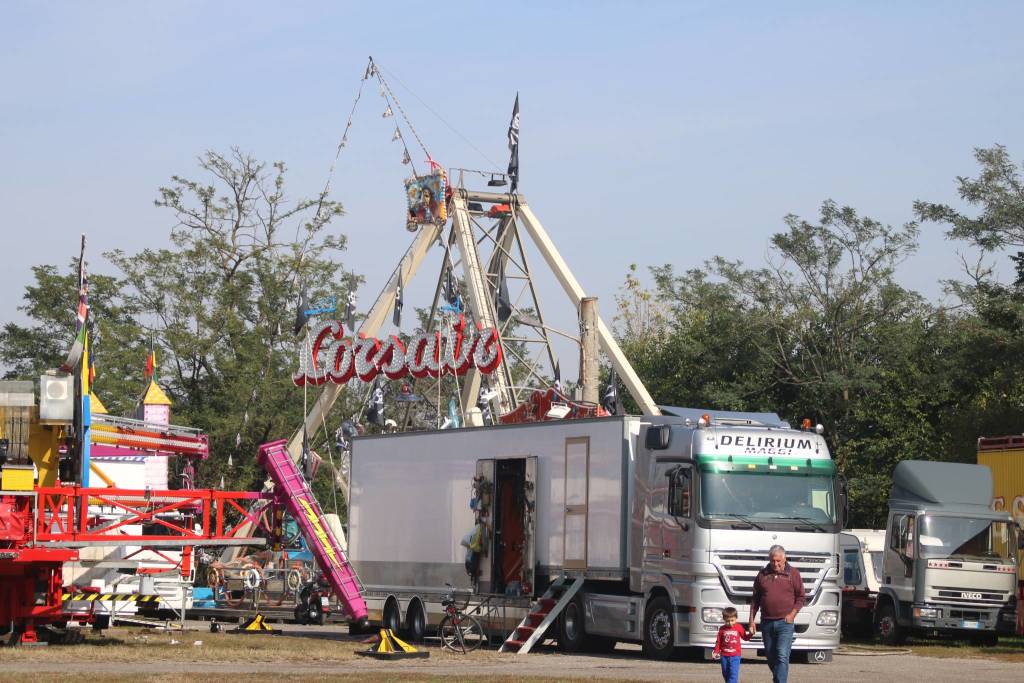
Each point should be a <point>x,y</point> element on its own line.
<point>728,642</point>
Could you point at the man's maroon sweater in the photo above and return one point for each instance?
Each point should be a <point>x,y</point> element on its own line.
<point>777,594</point>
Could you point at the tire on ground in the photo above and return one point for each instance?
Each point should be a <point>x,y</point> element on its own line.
<point>392,618</point>
<point>416,622</point>
<point>572,635</point>
<point>659,629</point>
<point>887,628</point>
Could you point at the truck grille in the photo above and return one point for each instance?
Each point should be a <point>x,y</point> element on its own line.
<point>738,568</point>
<point>955,596</point>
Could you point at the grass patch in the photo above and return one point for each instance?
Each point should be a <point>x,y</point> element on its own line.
<point>1009,649</point>
<point>126,645</point>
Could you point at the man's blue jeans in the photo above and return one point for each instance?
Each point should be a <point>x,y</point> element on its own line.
<point>778,641</point>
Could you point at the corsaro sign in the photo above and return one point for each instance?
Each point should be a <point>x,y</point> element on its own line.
<point>330,357</point>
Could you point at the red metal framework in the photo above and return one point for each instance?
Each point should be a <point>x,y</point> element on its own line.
<point>72,515</point>
<point>41,529</point>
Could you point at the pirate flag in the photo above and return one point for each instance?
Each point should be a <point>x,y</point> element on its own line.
<point>451,286</point>
<point>610,400</point>
<point>513,148</point>
<point>375,406</point>
<point>350,311</point>
<point>396,317</point>
<point>502,304</point>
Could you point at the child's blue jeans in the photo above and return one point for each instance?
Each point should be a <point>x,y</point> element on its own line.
<point>731,669</point>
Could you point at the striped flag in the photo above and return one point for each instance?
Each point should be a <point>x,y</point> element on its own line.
<point>78,347</point>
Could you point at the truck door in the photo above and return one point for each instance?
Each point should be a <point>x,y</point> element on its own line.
<point>900,552</point>
<point>667,527</point>
<point>483,501</point>
<point>577,486</point>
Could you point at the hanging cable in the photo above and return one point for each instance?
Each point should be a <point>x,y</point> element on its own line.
<point>390,96</point>
<point>442,120</point>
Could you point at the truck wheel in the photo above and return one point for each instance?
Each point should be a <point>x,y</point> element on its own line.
<point>887,629</point>
<point>392,619</point>
<point>659,631</point>
<point>571,634</point>
<point>417,623</point>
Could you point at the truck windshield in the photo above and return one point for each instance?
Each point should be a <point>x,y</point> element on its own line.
<point>947,537</point>
<point>768,497</point>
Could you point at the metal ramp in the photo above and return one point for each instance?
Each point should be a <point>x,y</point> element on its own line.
<point>543,613</point>
<point>292,491</point>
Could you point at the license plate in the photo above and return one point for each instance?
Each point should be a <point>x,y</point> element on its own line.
<point>970,624</point>
<point>324,601</point>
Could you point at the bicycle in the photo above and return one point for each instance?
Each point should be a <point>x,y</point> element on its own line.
<point>458,632</point>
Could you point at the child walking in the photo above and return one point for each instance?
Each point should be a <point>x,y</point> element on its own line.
<point>728,647</point>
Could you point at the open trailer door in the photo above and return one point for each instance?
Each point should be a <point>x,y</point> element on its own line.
<point>507,505</point>
<point>483,535</point>
<point>530,527</point>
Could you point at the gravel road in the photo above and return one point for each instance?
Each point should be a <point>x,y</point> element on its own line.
<point>624,664</point>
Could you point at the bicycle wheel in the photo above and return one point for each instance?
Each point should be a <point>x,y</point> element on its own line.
<point>462,636</point>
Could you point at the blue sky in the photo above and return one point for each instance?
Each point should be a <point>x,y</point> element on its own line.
<point>651,132</point>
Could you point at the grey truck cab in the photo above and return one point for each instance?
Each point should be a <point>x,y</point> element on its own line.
<point>950,560</point>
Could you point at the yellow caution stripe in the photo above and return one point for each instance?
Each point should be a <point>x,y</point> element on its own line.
<point>109,597</point>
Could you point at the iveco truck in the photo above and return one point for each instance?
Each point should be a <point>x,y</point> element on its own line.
<point>659,522</point>
<point>950,563</point>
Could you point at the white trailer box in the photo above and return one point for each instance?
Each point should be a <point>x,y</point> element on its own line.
<point>411,494</point>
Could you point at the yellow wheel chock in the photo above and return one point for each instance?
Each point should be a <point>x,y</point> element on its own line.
<point>256,624</point>
<point>392,647</point>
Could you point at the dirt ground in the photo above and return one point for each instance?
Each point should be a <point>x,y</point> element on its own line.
<point>329,654</point>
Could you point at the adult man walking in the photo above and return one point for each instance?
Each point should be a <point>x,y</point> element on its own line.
<point>779,594</point>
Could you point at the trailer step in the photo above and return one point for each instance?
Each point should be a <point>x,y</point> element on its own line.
<point>545,611</point>
<point>534,618</point>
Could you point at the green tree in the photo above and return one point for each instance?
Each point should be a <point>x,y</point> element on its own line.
<point>219,305</point>
<point>51,304</point>
<point>998,192</point>
<point>822,331</point>
<point>989,323</point>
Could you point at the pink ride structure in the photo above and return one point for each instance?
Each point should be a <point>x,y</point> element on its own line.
<point>293,494</point>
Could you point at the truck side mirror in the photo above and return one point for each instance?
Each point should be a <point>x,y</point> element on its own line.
<point>658,437</point>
